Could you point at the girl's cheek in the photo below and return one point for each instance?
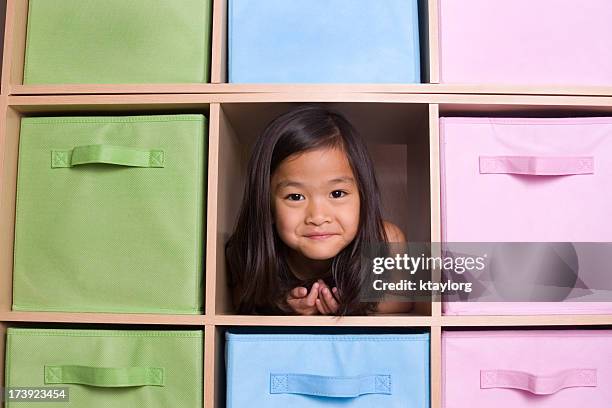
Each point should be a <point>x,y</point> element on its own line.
<point>284,214</point>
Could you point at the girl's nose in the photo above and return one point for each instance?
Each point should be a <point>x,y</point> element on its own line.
<point>317,213</point>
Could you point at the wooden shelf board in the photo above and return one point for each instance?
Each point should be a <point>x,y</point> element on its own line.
<point>225,88</point>
<point>531,320</point>
<point>349,321</point>
<point>448,102</point>
<point>103,318</point>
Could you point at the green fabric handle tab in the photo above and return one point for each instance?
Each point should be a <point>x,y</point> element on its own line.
<point>119,155</point>
<point>104,377</point>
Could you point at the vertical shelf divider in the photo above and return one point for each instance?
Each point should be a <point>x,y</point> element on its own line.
<point>436,306</point>
<point>210,332</point>
<point>434,171</point>
<point>6,48</point>
<point>212,210</point>
<point>436,366</point>
<point>433,40</point>
<point>4,31</point>
<point>210,365</point>
<point>9,127</point>
<point>14,44</point>
<point>3,327</point>
<point>218,73</point>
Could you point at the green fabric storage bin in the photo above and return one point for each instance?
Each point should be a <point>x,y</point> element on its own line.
<point>109,214</point>
<point>118,41</point>
<point>108,368</point>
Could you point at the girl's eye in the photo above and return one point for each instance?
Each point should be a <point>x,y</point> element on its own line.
<point>338,193</point>
<point>295,197</point>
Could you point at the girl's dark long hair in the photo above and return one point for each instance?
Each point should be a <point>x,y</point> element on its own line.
<point>259,273</point>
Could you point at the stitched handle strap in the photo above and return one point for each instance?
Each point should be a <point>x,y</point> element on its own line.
<point>107,154</point>
<point>103,376</point>
<point>538,384</point>
<point>536,165</point>
<point>324,386</point>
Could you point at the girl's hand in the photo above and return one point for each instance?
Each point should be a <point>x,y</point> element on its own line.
<point>326,302</point>
<point>302,302</point>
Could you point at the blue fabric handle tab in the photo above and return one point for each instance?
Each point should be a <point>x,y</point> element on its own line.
<point>335,387</point>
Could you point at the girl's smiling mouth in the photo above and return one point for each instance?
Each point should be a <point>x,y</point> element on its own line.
<point>320,235</point>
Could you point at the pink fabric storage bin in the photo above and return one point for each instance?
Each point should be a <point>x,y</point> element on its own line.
<point>526,42</point>
<point>527,369</point>
<point>565,197</point>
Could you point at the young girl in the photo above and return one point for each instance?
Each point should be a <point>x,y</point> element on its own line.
<point>311,205</point>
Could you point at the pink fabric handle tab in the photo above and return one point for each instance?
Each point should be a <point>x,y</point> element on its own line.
<point>536,165</point>
<point>538,384</point>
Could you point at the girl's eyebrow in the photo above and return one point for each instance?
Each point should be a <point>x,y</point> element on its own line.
<point>339,180</point>
<point>288,183</point>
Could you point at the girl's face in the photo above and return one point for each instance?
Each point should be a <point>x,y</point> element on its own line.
<point>315,203</point>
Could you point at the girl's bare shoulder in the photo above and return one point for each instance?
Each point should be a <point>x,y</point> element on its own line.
<point>393,232</point>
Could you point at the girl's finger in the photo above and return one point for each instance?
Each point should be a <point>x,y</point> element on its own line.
<point>295,306</point>
<point>330,310</point>
<point>330,302</point>
<point>299,307</point>
<point>313,295</point>
<point>298,292</point>
<point>320,307</point>
<point>324,306</point>
<point>335,292</point>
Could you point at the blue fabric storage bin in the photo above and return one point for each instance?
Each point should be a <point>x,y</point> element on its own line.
<point>323,41</point>
<point>304,371</point>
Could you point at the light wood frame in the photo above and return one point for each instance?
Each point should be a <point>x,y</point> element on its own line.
<point>14,56</point>
<point>230,115</point>
<point>229,107</point>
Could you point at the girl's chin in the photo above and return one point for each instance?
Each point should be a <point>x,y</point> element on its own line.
<point>321,254</point>
<point>319,257</point>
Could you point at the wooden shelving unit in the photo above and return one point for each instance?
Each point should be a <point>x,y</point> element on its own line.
<point>393,118</point>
